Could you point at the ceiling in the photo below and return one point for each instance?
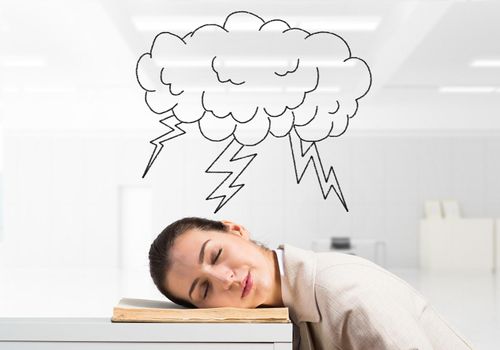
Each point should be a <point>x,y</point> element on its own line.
<point>417,50</point>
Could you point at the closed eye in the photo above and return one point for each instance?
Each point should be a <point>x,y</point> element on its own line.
<point>206,284</point>
<point>217,256</point>
<point>206,290</point>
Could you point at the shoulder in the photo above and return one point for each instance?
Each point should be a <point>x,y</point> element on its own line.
<point>345,268</point>
<point>347,281</point>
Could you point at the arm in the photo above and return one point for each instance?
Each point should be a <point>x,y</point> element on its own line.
<point>365,319</point>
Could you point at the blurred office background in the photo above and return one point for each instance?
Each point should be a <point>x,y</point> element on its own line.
<point>77,218</point>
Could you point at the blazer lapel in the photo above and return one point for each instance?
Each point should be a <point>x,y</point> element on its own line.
<point>298,284</point>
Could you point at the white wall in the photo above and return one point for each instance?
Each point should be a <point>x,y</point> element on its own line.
<point>62,190</point>
<point>73,134</point>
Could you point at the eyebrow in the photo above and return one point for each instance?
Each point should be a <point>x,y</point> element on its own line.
<point>200,261</point>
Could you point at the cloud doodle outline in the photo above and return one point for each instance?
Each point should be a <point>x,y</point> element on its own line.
<point>308,99</point>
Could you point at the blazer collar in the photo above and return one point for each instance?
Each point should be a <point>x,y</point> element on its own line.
<point>298,284</point>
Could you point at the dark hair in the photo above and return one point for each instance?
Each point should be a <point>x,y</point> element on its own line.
<point>159,261</point>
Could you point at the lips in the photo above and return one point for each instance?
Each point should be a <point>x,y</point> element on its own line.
<point>247,285</point>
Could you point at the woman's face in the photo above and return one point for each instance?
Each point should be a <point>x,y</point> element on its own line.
<point>216,269</point>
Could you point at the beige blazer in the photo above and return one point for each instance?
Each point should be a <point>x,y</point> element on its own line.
<point>340,301</point>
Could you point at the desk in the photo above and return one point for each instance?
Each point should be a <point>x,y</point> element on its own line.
<point>100,333</point>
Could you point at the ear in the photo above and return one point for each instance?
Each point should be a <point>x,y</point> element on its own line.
<point>236,229</point>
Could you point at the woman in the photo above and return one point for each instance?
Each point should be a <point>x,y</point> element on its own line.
<point>337,301</point>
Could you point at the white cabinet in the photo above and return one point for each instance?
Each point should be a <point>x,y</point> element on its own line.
<point>457,244</point>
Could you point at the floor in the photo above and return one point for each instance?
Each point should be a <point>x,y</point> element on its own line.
<point>469,301</point>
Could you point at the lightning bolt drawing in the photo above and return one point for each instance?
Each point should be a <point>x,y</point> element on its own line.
<point>303,157</point>
<point>307,105</point>
<point>230,163</point>
<point>172,123</point>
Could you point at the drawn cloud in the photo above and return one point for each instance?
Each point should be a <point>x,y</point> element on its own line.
<point>249,78</point>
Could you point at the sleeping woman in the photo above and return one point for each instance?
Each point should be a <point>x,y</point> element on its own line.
<point>336,301</point>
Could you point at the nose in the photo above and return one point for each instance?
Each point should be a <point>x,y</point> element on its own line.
<point>222,275</point>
